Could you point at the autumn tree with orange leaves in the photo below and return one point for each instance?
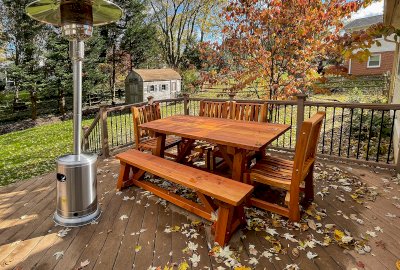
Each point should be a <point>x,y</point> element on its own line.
<point>278,43</point>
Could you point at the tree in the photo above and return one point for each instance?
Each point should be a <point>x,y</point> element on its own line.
<point>139,39</point>
<point>24,40</point>
<point>178,22</point>
<point>278,43</point>
<point>57,67</point>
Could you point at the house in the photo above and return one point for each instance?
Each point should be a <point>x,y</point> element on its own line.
<point>162,83</point>
<point>391,17</point>
<point>381,58</point>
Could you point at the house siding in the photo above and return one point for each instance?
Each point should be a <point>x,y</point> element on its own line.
<point>361,68</point>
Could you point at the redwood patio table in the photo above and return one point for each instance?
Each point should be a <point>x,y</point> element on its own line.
<point>234,138</point>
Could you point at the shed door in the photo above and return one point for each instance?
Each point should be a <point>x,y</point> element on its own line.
<point>173,89</point>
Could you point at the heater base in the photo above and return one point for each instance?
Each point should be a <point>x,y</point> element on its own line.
<point>76,221</point>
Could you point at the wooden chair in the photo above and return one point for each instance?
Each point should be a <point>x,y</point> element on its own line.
<point>216,109</point>
<point>248,111</point>
<point>289,175</point>
<point>144,140</point>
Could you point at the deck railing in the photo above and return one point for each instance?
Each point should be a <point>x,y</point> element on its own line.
<point>358,132</point>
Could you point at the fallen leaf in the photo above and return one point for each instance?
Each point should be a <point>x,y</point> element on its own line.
<point>311,224</point>
<point>85,263</point>
<point>360,264</point>
<point>58,255</point>
<point>295,252</point>
<point>123,217</point>
<point>398,265</point>
<point>253,261</point>
<point>311,255</point>
<point>138,248</point>
<point>183,266</point>
<point>195,259</point>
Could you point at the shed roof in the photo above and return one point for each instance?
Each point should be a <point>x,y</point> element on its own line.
<point>161,74</point>
<point>364,22</point>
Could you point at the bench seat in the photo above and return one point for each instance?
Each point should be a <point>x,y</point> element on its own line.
<point>215,192</point>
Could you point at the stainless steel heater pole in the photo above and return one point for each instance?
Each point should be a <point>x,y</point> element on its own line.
<point>76,174</point>
<point>77,55</point>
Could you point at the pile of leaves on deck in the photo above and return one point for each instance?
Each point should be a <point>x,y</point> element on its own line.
<point>278,238</point>
<point>282,237</point>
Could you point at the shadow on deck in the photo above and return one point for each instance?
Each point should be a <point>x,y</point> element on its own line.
<point>138,231</point>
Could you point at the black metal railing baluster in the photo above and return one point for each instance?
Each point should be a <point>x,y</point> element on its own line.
<point>350,128</point>
<point>120,119</point>
<point>370,133</point>
<point>111,129</point>
<point>341,133</point>
<point>380,137</point>
<point>284,122</point>
<point>323,134</point>
<point>359,134</point>
<point>333,129</point>
<point>391,136</point>
<point>126,131</point>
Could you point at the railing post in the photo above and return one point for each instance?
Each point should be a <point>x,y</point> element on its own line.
<point>85,141</point>
<point>186,103</point>
<point>150,100</point>
<point>301,98</point>
<point>104,131</point>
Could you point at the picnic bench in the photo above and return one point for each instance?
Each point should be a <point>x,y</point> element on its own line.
<point>214,192</point>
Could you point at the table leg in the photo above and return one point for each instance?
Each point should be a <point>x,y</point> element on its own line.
<point>239,164</point>
<point>160,146</point>
<point>185,149</point>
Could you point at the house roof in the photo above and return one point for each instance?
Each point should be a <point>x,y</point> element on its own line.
<point>161,74</point>
<point>364,22</point>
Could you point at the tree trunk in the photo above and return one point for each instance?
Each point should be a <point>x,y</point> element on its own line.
<point>113,76</point>
<point>61,102</point>
<point>33,96</point>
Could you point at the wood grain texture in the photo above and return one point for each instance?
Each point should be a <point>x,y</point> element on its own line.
<point>289,175</point>
<point>241,134</point>
<point>220,188</point>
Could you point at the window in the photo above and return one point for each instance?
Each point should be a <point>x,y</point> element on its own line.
<point>163,87</point>
<point>374,61</point>
<point>151,88</point>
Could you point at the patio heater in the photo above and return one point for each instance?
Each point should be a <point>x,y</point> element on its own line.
<point>76,173</point>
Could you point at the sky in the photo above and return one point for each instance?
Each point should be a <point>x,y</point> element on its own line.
<point>375,8</point>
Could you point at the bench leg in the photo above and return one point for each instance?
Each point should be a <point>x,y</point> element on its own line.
<point>124,171</point>
<point>223,224</point>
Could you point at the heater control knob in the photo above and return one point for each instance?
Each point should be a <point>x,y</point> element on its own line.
<point>61,177</point>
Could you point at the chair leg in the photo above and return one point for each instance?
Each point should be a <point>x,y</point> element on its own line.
<point>247,179</point>
<point>294,205</point>
<point>309,187</point>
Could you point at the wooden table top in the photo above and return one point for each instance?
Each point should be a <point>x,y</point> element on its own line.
<point>242,134</point>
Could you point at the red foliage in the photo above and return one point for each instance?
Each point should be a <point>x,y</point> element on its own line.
<point>278,42</point>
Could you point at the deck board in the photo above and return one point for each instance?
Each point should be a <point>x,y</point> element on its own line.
<point>32,241</point>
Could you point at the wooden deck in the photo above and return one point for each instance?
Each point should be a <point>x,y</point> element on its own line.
<point>138,231</point>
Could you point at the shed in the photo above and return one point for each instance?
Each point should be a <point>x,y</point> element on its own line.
<point>159,83</point>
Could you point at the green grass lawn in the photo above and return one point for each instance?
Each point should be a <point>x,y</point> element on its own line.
<point>32,152</point>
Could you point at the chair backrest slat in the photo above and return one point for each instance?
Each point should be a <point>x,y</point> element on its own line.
<point>249,112</point>
<point>306,145</point>
<point>216,109</point>
<point>143,115</point>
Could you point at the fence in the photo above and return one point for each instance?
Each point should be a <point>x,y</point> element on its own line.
<point>358,132</point>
